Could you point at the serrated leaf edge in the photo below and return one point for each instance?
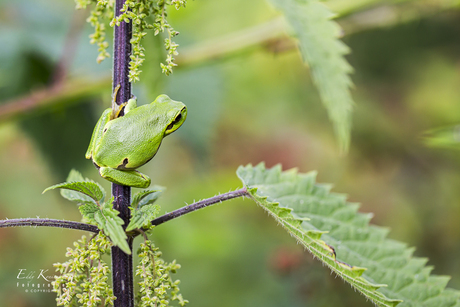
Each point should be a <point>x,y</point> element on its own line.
<point>316,245</point>
<point>63,185</point>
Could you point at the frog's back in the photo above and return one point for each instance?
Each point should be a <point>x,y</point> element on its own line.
<point>132,140</point>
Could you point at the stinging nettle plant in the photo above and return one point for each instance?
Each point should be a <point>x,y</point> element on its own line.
<point>325,223</point>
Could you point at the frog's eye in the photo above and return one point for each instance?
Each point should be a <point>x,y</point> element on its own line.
<point>177,122</point>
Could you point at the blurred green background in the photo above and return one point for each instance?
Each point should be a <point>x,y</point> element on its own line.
<point>246,106</point>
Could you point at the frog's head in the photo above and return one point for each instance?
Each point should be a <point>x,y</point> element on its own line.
<point>175,113</point>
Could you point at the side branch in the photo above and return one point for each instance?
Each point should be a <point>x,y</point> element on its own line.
<point>198,205</point>
<point>48,223</point>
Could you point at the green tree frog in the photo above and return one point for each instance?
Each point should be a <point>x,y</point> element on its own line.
<point>120,145</point>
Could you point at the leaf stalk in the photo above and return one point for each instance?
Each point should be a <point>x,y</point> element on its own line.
<point>48,223</point>
<point>199,205</point>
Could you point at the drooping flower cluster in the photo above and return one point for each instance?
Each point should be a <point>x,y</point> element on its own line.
<point>83,279</point>
<point>157,288</point>
<point>144,15</point>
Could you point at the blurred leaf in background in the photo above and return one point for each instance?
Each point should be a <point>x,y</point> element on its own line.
<point>448,138</point>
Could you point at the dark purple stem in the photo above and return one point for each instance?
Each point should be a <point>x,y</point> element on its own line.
<point>48,223</point>
<point>122,264</point>
<point>121,53</point>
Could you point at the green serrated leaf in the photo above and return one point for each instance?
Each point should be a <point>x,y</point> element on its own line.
<point>325,54</point>
<point>75,176</point>
<point>88,188</point>
<point>142,216</point>
<point>117,235</point>
<point>106,219</point>
<point>111,223</point>
<point>77,189</point>
<point>333,231</point>
<point>76,196</point>
<point>147,197</point>
<point>88,210</point>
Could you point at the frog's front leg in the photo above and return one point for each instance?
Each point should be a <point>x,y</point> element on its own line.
<point>125,106</point>
<point>130,178</point>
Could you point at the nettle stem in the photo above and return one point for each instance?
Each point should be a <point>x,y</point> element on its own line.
<point>122,264</point>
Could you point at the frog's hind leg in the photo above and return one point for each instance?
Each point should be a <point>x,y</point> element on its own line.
<point>130,178</point>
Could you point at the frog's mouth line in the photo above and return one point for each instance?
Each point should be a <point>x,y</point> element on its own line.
<point>97,166</point>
